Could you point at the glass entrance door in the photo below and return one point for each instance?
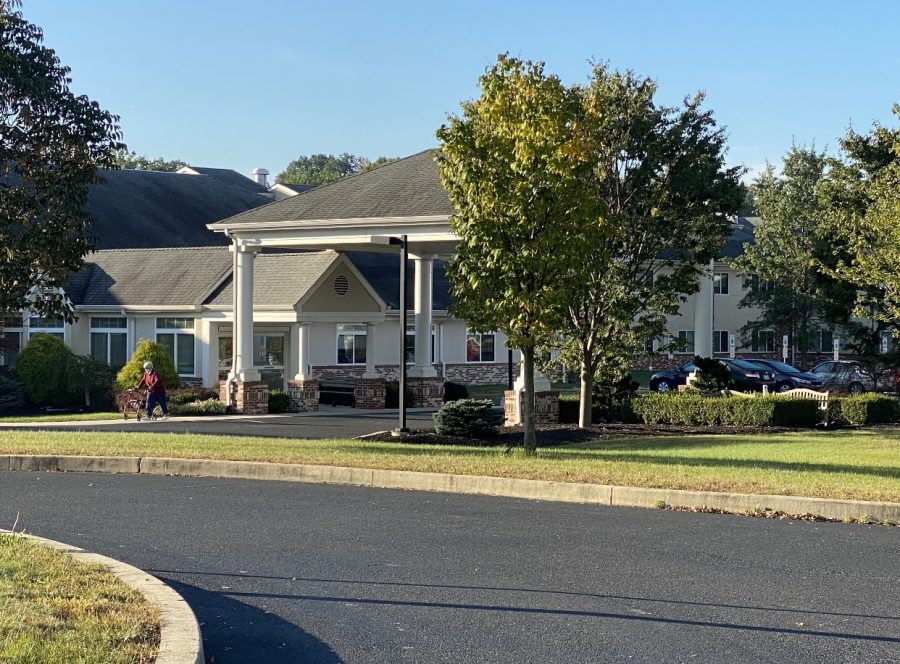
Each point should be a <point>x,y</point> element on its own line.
<point>268,358</point>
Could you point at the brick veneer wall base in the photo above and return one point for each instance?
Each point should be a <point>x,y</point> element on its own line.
<point>426,392</point>
<point>191,381</point>
<point>369,392</point>
<point>304,395</point>
<point>250,398</point>
<point>546,407</point>
<point>488,373</point>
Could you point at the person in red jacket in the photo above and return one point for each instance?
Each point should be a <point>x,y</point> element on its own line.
<point>156,390</point>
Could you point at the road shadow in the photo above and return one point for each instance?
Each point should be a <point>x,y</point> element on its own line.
<point>235,632</point>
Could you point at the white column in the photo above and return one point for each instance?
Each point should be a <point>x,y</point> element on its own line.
<point>300,351</point>
<point>703,315</point>
<point>370,371</point>
<point>243,316</point>
<point>422,367</point>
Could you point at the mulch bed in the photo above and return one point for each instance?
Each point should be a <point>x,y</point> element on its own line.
<point>564,434</point>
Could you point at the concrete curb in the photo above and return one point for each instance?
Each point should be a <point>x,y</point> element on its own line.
<point>179,634</point>
<point>600,494</point>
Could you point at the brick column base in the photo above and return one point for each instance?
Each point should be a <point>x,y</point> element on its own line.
<point>249,398</point>
<point>369,392</point>
<point>546,407</point>
<point>425,392</point>
<point>304,395</point>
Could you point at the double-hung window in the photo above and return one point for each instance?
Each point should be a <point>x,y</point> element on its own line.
<point>109,340</point>
<point>351,343</point>
<point>177,335</point>
<point>720,283</point>
<point>480,347</point>
<point>720,341</point>
<point>763,341</point>
<point>411,344</point>
<point>39,324</point>
<point>686,337</point>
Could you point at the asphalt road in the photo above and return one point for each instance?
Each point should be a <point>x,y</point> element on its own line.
<point>280,572</point>
<point>340,423</point>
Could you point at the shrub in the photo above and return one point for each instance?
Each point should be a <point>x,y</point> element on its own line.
<point>206,407</point>
<point>279,402</point>
<point>712,375</point>
<point>181,395</point>
<point>609,398</point>
<point>570,407</point>
<point>44,366</point>
<point>12,396</point>
<point>695,409</point>
<point>865,409</point>
<point>468,417</point>
<point>148,351</point>
<point>454,392</point>
<point>392,395</point>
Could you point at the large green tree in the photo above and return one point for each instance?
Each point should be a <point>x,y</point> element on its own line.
<point>791,240</point>
<point>862,195</point>
<point>51,145</point>
<point>319,169</point>
<point>663,198</point>
<point>126,159</point>
<point>507,164</point>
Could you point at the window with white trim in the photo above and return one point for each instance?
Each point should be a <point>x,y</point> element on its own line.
<point>720,283</point>
<point>351,343</point>
<point>177,335</point>
<point>720,341</point>
<point>39,324</point>
<point>823,341</point>
<point>755,284</point>
<point>686,337</point>
<point>763,341</point>
<point>11,339</point>
<point>480,346</point>
<point>109,340</point>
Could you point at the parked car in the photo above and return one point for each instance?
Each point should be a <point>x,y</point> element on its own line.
<point>788,377</point>
<point>851,377</point>
<point>746,376</point>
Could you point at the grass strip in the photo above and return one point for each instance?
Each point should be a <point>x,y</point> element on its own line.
<point>854,465</point>
<point>56,610</point>
<point>62,417</point>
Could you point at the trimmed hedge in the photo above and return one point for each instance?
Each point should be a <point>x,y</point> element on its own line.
<point>279,402</point>
<point>863,409</point>
<point>12,396</point>
<point>206,407</point>
<point>184,395</point>
<point>758,411</point>
<point>148,351</point>
<point>468,417</point>
<point>45,367</point>
<point>570,406</point>
<point>454,392</point>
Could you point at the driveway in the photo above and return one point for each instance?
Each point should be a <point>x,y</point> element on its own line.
<point>330,422</point>
<point>280,572</point>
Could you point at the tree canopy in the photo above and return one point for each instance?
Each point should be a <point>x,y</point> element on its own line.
<point>51,145</point>
<point>126,159</point>
<point>319,169</point>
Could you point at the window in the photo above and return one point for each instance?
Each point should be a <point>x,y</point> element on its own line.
<point>268,350</point>
<point>177,335</point>
<point>108,341</point>
<point>480,347</point>
<point>648,346</point>
<point>720,341</point>
<point>757,285</point>
<point>10,339</point>
<point>823,341</point>
<point>54,326</point>
<point>411,344</point>
<point>763,341</point>
<point>720,283</point>
<point>648,279</point>
<point>686,337</point>
<point>351,344</point>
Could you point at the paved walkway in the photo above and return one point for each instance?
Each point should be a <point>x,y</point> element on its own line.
<point>331,422</point>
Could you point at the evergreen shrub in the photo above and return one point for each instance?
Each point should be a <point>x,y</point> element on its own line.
<point>695,409</point>
<point>468,417</point>
<point>148,351</point>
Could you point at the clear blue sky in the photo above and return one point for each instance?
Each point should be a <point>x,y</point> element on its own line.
<point>241,84</point>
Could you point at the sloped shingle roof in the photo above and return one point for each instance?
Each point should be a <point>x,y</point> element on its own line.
<point>231,177</point>
<point>408,187</point>
<point>143,209</point>
<point>280,280</point>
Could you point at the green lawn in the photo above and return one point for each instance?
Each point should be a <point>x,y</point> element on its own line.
<point>54,610</point>
<point>863,465</point>
<point>62,417</point>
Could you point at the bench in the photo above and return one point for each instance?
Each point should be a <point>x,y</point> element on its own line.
<point>336,391</point>
<point>806,393</point>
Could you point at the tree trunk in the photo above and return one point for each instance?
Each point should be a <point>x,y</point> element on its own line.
<point>585,413</point>
<point>530,441</point>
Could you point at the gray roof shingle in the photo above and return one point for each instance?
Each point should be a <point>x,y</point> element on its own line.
<point>404,188</point>
<point>143,209</point>
<point>280,280</point>
<point>152,277</point>
<point>231,177</point>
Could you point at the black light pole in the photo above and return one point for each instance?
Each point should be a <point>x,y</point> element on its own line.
<point>509,368</point>
<point>402,396</point>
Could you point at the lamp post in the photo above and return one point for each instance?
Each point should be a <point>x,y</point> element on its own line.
<point>401,402</point>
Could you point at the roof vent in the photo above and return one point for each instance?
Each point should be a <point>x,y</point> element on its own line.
<point>260,176</point>
<point>341,285</point>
